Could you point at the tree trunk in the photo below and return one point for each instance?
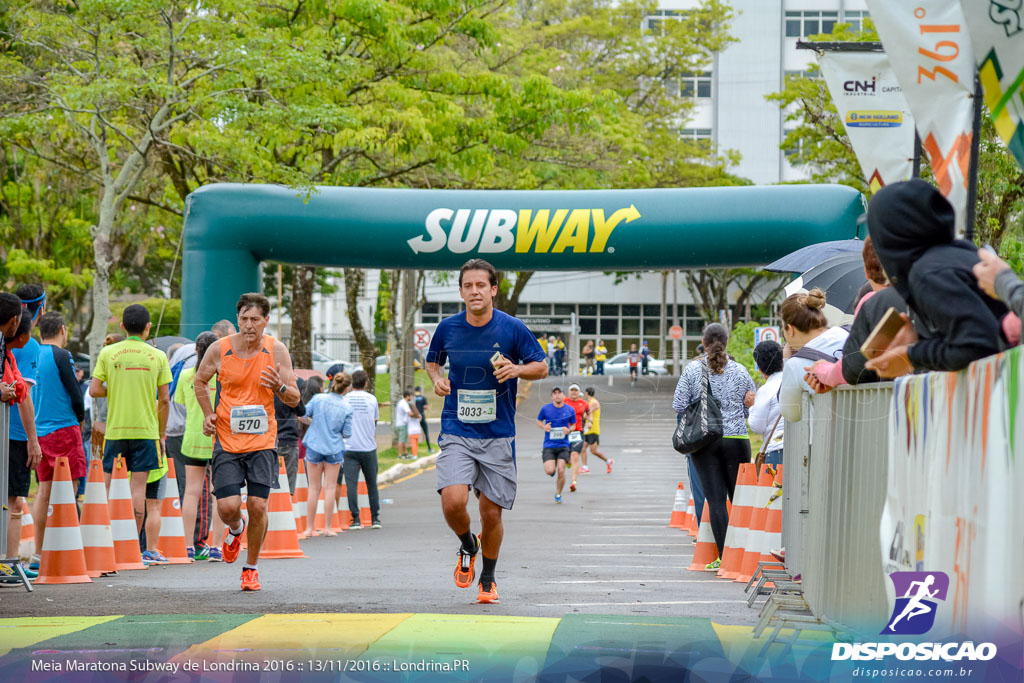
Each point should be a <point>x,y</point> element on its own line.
<point>407,376</point>
<point>507,300</point>
<point>303,283</point>
<point>394,356</point>
<point>354,281</point>
<point>101,277</point>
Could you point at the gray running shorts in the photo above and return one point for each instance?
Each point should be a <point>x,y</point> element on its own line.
<point>485,464</point>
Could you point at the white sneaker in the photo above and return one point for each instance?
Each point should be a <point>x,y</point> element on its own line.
<point>584,470</point>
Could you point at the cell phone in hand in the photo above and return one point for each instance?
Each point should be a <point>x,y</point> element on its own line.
<point>883,334</point>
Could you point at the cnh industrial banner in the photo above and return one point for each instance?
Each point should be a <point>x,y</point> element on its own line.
<point>953,435</point>
<point>930,50</point>
<point>874,112</point>
<point>997,34</point>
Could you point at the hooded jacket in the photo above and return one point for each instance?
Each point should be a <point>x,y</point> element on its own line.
<point>912,227</point>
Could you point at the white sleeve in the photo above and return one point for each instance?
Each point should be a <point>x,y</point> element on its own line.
<point>758,419</point>
<point>791,393</point>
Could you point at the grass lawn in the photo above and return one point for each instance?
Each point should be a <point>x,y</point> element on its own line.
<point>383,387</point>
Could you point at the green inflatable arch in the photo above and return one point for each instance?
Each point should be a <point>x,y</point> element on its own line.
<point>230,228</point>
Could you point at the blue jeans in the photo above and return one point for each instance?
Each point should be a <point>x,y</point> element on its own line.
<point>696,490</point>
<point>600,368</point>
<point>773,457</point>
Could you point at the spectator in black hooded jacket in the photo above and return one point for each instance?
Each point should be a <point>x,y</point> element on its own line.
<point>953,321</point>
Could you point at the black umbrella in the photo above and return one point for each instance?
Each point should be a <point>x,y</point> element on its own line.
<point>840,277</point>
<point>806,258</point>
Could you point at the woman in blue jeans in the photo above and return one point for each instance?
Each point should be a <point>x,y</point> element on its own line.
<point>331,424</point>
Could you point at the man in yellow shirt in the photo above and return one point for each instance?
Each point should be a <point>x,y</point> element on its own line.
<point>134,377</point>
<point>601,355</point>
<point>592,432</point>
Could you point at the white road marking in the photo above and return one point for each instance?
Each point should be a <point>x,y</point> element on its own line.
<point>636,555</point>
<point>642,581</point>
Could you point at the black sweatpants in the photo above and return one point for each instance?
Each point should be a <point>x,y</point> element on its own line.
<point>717,466</point>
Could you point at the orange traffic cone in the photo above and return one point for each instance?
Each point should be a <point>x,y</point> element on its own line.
<point>27,544</point>
<point>691,519</point>
<point>706,550</point>
<point>343,515</point>
<point>282,540</point>
<point>122,520</point>
<point>96,535</point>
<point>772,537</point>
<point>172,529</point>
<point>365,514</point>
<point>758,516</point>
<point>678,518</point>
<point>739,520</point>
<point>301,498</point>
<point>63,557</point>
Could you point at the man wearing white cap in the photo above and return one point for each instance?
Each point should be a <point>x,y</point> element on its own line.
<point>582,408</point>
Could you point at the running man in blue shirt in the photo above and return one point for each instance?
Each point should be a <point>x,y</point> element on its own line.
<point>488,351</point>
<point>557,419</point>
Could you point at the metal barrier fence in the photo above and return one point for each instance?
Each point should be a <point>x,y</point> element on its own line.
<point>833,494</point>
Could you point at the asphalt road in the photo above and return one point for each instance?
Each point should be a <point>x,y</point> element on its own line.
<point>605,550</point>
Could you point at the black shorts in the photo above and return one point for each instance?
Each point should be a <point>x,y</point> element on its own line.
<point>555,454</point>
<point>139,454</point>
<point>592,438</point>
<point>193,462</point>
<point>576,447</point>
<point>155,489</point>
<point>19,476</point>
<point>256,470</point>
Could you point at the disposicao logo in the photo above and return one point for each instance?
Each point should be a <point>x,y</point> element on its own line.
<point>493,231</point>
<point>874,119</point>
<point>913,614</point>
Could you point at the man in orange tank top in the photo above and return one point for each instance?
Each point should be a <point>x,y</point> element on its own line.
<point>251,368</point>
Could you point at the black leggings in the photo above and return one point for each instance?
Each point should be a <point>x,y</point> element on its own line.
<point>717,466</point>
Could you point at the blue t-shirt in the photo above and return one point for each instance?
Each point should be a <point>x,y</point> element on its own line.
<point>28,365</point>
<point>332,423</point>
<point>468,349</point>
<point>563,418</point>
<point>54,408</point>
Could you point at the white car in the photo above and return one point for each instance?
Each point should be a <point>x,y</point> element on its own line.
<point>322,362</point>
<point>619,365</point>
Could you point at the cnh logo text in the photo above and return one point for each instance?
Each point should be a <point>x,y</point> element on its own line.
<point>493,231</point>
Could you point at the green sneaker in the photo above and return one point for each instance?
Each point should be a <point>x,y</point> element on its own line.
<point>202,552</point>
<point>713,566</point>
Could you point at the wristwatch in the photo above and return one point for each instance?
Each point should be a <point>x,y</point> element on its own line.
<point>282,389</point>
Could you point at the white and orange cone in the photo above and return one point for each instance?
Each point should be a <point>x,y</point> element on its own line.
<point>282,539</point>
<point>343,516</point>
<point>739,520</point>
<point>97,538</point>
<point>678,518</point>
<point>63,557</point>
<point>691,519</point>
<point>27,544</point>
<point>706,550</point>
<point>122,520</point>
<point>301,498</point>
<point>758,517</point>
<point>172,528</point>
<point>365,514</point>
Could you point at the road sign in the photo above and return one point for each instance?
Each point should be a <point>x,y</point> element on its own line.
<point>766,334</point>
<point>421,338</point>
<point>676,332</point>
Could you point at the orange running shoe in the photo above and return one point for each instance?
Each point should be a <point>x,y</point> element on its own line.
<point>487,595</point>
<point>250,580</point>
<point>465,571</point>
<point>232,545</point>
<point>572,487</point>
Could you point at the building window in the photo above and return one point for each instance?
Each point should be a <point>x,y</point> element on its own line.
<point>806,73</point>
<point>610,310</point>
<point>695,85</point>
<point>696,134</point>
<point>540,309</point>
<point>810,22</point>
<point>855,18</point>
<point>588,309</point>
<point>610,326</point>
<point>450,308</point>
<point>655,21</point>
<point>565,309</point>
<point>588,326</point>
<point>430,313</point>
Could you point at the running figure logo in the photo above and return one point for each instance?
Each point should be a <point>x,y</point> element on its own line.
<point>916,592</point>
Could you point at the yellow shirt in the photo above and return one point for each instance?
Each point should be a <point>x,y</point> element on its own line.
<point>602,352</point>
<point>594,423</point>
<point>133,370</point>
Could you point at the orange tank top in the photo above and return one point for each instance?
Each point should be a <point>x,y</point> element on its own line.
<point>238,384</point>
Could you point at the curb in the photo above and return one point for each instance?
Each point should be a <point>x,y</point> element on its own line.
<point>404,469</point>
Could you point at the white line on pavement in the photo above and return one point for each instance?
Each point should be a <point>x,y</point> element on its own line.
<point>616,545</point>
<point>636,555</point>
<point>642,581</point>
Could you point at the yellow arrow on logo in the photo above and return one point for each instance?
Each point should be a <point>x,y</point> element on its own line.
<point>603,229</point>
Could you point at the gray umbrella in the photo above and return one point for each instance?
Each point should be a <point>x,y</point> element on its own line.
<point>807,257</point>
<point>840,277</point>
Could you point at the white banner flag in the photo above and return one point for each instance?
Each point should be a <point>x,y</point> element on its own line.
<point>874,113</point>
<point>997,34</point>
<point>930,51</point>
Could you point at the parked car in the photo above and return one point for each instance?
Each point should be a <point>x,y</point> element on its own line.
<point>384,362</point>
<point>619,365</point>
<point>322,362</point>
